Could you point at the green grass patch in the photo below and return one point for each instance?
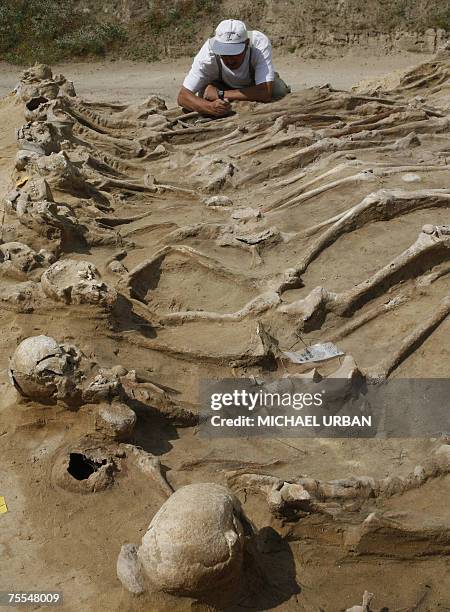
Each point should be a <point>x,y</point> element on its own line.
<point>441,19</point>
<point>91,39</point>
<point>52,30</point>
<point>183,15</point>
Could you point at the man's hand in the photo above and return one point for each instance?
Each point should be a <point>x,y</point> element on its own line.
<point>219,108</point>
<point>211,93</point>
<point>216,108</point>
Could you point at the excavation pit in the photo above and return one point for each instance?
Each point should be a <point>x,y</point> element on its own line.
<point>320,201</point>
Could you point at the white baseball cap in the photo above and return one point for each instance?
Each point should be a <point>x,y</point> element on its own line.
<point>230,37</point>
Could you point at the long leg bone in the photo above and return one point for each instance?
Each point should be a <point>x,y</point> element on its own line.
<point>432,243</point>
<point>409,344</point>
<point>377,206</point>
<point>373,173</point>
<point>149,465</point>
<point>309,494</point>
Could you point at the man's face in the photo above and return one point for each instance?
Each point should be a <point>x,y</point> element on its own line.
<point>234,61</point>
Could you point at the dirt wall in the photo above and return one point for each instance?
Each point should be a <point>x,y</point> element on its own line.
<point>51,30</point>
<point>313,27</point>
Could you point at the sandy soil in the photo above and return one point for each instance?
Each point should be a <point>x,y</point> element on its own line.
<point>140,187</point>
<point>122,81</point>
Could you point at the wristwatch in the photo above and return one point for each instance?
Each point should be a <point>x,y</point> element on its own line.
<point>221,94</point>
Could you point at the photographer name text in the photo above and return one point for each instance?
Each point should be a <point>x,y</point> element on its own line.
<point>310,420</point>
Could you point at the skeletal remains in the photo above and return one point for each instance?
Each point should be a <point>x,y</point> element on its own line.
<point>190,548</point>
<point>257,201</point>
<point>289,499</point>
<point>43,370</point>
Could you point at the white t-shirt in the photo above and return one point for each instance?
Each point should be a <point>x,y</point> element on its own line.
<point>205,70</point>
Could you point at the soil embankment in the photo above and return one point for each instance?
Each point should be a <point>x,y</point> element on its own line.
<point>140,30</point>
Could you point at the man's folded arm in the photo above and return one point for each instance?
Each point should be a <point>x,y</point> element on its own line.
<point>187,99</point>
<point>256,93</point>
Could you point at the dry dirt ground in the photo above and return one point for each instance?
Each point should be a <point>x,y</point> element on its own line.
<point>323,237</point>
<point>123,81</point>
